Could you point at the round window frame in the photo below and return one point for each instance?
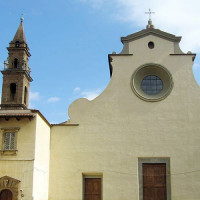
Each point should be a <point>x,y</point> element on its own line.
<point>152,69</point>
<point>151,45</point>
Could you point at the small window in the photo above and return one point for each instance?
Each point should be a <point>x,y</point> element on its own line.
<point>151,45</point>
<point>9,141</point>
<point>17,44</point>
<point>12,91</point>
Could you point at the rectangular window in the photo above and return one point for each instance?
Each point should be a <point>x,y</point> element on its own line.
<point>154,179</point>
<point>9,141</point>
<point>92,188</point>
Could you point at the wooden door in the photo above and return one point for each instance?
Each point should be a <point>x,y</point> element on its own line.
<point>154,181</point>
<point>92,189</point>
<point>6,195</point>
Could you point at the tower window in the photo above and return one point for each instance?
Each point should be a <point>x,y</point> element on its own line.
<point>17,44</point>
<point>15,63</point>
<point>25,95</point>
<point>12,91</point>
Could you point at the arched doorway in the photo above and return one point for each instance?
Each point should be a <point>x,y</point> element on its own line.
<point>6,195</point>
<point>9,188</point>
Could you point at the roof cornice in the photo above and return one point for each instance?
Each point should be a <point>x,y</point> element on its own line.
<point>151,31</point>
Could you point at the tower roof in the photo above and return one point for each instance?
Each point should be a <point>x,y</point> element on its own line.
<point>19,35</point>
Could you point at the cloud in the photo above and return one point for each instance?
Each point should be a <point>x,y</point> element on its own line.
<point>34,96</point>
<point>90,95</point>
<point>77,89</point>
<point>180,17</point>
<point>53,99</point>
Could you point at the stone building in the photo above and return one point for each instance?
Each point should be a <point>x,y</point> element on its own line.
<point>138,140</point>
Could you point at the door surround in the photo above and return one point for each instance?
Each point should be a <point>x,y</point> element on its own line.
<point>12,184</point>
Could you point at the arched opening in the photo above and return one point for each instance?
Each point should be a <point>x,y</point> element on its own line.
<point>15,63</point>
<point>25,95</point>
<point>6,195</point>
<point>12,91</point>
<point>17,44</point>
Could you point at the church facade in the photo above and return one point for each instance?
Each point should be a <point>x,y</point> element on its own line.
<point>138,140</point>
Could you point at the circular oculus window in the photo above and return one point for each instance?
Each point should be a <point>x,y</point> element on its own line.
<point>151,45</point>
<point>152,82</point>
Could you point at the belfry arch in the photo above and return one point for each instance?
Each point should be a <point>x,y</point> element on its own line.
<point>13,89</point>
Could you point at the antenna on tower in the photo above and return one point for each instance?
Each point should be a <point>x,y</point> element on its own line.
<point>22,17</point>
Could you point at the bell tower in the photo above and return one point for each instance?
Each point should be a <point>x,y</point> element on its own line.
<point>16,73</point>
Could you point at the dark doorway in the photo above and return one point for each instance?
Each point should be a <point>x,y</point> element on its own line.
<point>92,189</point>
<point>154,181</point>
<point>6,195</point>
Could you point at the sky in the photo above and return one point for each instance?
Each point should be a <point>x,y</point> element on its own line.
<point>70,40</point>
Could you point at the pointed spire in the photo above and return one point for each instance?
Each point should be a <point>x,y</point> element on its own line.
<point>20,36</point>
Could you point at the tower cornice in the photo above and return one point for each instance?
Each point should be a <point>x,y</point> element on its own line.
<point>17,71</point>
<point>26,49</point>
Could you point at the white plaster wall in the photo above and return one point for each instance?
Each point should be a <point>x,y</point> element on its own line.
<point>41,163</point>
<point>118,127</point>
<point>20,166</point>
